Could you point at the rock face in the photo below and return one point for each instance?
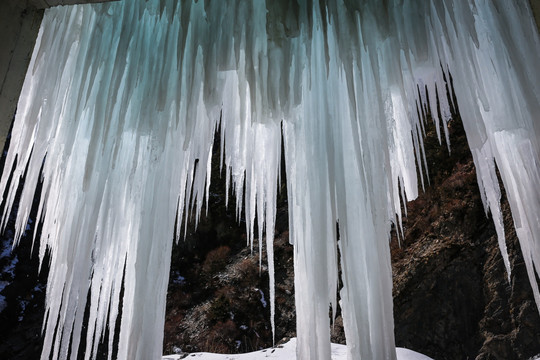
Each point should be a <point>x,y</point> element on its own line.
<point>23,294</point>
<point>452,299</point>
<point>218,298</point>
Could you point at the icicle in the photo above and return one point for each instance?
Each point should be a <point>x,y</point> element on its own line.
<point>122,100</point>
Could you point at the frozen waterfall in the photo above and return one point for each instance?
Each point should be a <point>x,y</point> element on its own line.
<point>122,100</point>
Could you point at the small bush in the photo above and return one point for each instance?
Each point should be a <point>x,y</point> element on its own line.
<point>248,271</point>
<point>221,337</point>
<point>216,259</point>
<point>220,309</point>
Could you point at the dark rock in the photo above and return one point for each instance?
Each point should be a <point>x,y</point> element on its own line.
<point>452,299</point>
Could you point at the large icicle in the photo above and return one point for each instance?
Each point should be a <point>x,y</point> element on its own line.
<point>123,99</point>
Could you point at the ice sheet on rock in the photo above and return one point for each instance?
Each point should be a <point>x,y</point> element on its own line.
<point>122,101</point>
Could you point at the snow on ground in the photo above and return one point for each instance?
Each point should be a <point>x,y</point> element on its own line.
<point>287,351</point>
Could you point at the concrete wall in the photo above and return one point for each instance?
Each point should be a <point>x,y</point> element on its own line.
<point>43,4</point>
<point>535,4</point>
<point>19,26</point>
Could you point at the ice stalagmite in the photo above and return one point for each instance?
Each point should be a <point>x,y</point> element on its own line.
<point>122,100</point>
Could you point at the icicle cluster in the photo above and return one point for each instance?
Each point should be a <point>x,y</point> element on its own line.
<point>122,100</point>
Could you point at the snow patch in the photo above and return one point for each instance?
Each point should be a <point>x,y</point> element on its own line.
<point>287,351</point>
<point>263,300</point>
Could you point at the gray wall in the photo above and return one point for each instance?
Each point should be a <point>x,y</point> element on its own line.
<point>43,4</point>
<point>19,26</point>
<point>535,4</point>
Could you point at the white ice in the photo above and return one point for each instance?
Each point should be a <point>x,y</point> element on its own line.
<point>287,351</point>
<point>122,100</point>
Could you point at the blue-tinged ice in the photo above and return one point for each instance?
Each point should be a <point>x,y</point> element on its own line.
<point>123,100</point>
